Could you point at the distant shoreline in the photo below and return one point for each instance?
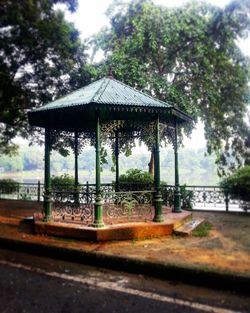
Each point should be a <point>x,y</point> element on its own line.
<point>84,176</point>
<point>35,176</point>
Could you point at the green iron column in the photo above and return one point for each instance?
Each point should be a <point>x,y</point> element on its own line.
<point>117,162</point>
<point>76,167</point>
<point>98,222</point>
<point>177,193</point>
<point>157,177</point>
<point>76,159</point>
<point>47,180</point>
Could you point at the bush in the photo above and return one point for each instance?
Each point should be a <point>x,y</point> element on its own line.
<point>136,176</point>
<point>237,186</point>
<point>8,186</point>
<point>136,180</point>
<point>63,182</point>
<point>187,197</point>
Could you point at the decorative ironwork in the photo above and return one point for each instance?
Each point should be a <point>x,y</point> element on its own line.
<point>128,206</point>
<point>107,188</point>
<point>143,130</point>
<point>67,140</point>
<point>72,207</point>
<point>109,128</point>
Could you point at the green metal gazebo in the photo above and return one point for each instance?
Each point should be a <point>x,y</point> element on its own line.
<point>109,111</point>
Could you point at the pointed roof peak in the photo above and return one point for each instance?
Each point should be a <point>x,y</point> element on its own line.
<point>110,73</point>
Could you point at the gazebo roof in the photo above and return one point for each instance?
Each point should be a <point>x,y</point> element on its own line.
<point>112,98</point>
<point>105,91</point>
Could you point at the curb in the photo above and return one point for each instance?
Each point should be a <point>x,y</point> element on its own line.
<point>173,272</point>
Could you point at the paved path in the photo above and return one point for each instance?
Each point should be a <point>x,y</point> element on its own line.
<point>38,284</point>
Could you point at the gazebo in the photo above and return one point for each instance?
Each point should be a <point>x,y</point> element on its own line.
<point>108,111</point>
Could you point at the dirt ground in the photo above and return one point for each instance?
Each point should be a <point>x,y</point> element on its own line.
<point>226,248</point>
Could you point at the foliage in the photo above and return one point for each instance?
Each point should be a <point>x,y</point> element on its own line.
<point>187,197</point>
<point>41,57</point>
<point>135,179</point>
<point>24,196</point>
<point>8,186</point>
<point>202,230</point>
<point>187,56</point>
<point>136,176</point>
<point>62,182</point>
<point>238,185</point>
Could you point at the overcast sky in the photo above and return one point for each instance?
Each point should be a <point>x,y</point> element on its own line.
<point>90,18</point>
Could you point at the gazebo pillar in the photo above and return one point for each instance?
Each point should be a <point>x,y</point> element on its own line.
<point>177,193</point>
<point>47,179</point>
<point>76,166</point>
<point>157,177</point>
<point>117,174</point>
<point>98,218</point>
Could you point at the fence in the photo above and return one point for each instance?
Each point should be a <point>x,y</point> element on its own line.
<point>213,198</point>
<point>201,197</point>
<point>22,191</point>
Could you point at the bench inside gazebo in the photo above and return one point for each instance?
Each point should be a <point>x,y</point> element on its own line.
<point>108,112</point>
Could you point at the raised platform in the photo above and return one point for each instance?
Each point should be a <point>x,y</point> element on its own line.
<point>123,231</point>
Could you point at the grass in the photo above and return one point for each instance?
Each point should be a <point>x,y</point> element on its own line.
<point>202,230</point>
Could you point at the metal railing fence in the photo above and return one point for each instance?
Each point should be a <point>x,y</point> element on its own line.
<point>197,197</point>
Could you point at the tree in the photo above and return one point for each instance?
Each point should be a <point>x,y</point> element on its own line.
<point>187,56</point>
<point>41,57</point>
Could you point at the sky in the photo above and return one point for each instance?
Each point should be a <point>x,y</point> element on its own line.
<point>90,18</point>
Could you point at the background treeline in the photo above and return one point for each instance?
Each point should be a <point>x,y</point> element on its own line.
<point>195,168</point>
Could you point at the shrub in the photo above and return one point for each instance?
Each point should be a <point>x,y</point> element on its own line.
<point>237,186</point>
<point>63,182</point>
<point>136,176</point>
<point>135,180</point>
<point>187,197</point>
<point>8,186</point>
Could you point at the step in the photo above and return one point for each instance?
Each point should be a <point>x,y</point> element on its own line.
<point>187,228</point>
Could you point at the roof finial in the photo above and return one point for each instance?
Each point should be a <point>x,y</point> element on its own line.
<point>110,75</point>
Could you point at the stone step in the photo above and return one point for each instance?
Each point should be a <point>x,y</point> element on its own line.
<point>187,228</point>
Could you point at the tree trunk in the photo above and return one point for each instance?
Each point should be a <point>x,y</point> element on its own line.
<point>151,164</point>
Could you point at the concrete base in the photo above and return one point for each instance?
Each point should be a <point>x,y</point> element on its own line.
<point>124,231</point>
<point>187,228</point>
<point>6,205</point>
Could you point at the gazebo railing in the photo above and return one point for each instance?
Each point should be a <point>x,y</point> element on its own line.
<point>128,206</point>
<point>73,206</point>
<point>117,206</point>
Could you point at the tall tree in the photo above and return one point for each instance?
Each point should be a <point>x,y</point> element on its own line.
<point>41,57</point>
<point>187,56</point>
